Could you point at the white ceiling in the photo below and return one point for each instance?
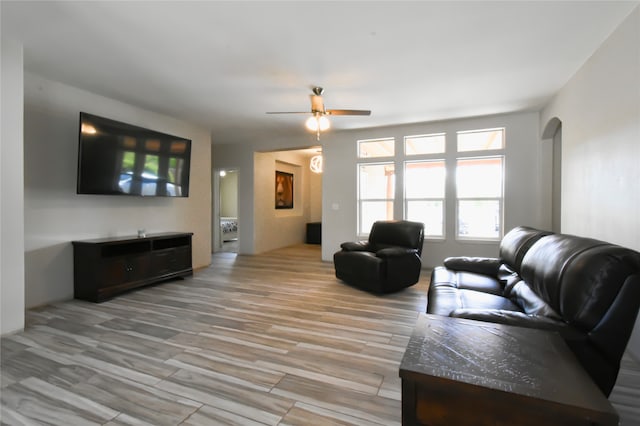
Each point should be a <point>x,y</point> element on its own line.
<point>224,64</point>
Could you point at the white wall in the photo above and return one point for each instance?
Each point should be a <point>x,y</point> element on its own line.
<point>524,204</point>
<point>11,189</point>
<point>229,194</point>
<point>600,113</point>
<point>56,215</point>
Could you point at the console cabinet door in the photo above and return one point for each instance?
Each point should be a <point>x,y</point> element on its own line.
<point>124,270</point>
<point>172,260</point>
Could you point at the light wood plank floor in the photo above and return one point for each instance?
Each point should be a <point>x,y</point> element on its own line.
<point>270,339</point>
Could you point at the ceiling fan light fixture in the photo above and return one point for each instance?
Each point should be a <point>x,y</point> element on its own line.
<point>316,103</point>
<point>317,122</point>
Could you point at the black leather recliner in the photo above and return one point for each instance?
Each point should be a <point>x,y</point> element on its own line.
<point>389,261</point>
<point>586,290</point>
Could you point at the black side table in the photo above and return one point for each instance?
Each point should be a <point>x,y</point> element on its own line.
<point>314,233</point>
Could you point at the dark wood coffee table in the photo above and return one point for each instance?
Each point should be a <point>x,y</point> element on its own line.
<point>465,372</point>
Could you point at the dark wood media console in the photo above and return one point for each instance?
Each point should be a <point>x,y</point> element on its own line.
<point>106,267</point>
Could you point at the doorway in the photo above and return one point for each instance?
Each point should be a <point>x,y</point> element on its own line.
<point>228,223</point>
<point>557,181</point>
<point>553,132</point>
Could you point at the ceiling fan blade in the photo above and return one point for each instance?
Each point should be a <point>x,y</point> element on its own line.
<point>348,112</point>
<point>288,112</point>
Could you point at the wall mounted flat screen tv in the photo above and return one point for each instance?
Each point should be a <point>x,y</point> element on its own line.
<point>116,158</point>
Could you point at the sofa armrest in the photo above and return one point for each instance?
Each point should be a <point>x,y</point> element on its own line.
<point>480,265</point>
<point>395,252</point>
<point>520,319</point>
<point>355,246</point>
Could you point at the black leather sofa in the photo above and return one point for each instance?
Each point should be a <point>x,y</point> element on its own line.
<point>586,290</point>
<point>389,261</point>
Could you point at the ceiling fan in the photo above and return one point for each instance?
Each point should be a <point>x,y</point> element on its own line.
<point>318,121</point>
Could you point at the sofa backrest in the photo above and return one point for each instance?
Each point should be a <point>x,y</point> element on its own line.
<point>516,243</point>
<point>578,277</point>
<point>394,233</point>
<point>595,287</point>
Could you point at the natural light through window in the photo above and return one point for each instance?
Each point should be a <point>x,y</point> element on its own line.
<point>424,194</point>
<point>479,188</point>
<point>451,181</point>
<point>376,183</point>
<point>480,140</point>
<point>376,148</point>
<point>424,144</point>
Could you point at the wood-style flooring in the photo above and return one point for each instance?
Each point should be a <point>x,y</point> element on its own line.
<point>270,339</point>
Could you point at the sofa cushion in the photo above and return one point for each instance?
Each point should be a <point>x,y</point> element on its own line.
<point>450,290</point>
<point>530,303</point>
<point>520,319</point>
<point>444,277</point>
<point>472,298</point>
<point>445,301</point>
<point>480,265</point>
<point>516,243</point>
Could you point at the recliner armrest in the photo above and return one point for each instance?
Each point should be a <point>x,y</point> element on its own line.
<point>356,246</point>
<point>480,265</point>
<point>395,252</point>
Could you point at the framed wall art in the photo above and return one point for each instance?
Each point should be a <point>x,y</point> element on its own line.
<point>284,190</point>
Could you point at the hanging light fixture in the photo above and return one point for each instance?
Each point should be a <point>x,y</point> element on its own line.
<point>317,123</point>
<point>315,163</point>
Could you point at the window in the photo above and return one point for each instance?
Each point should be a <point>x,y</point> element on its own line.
<point>424,144</point>
<point>479,188</point>
<point>475,158</point>
<point>376,183</point>
<point>480,140</point>
<point>376,148</point>
<point>424,195</point>
<point>424,182</point>
<point>480,185</point>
